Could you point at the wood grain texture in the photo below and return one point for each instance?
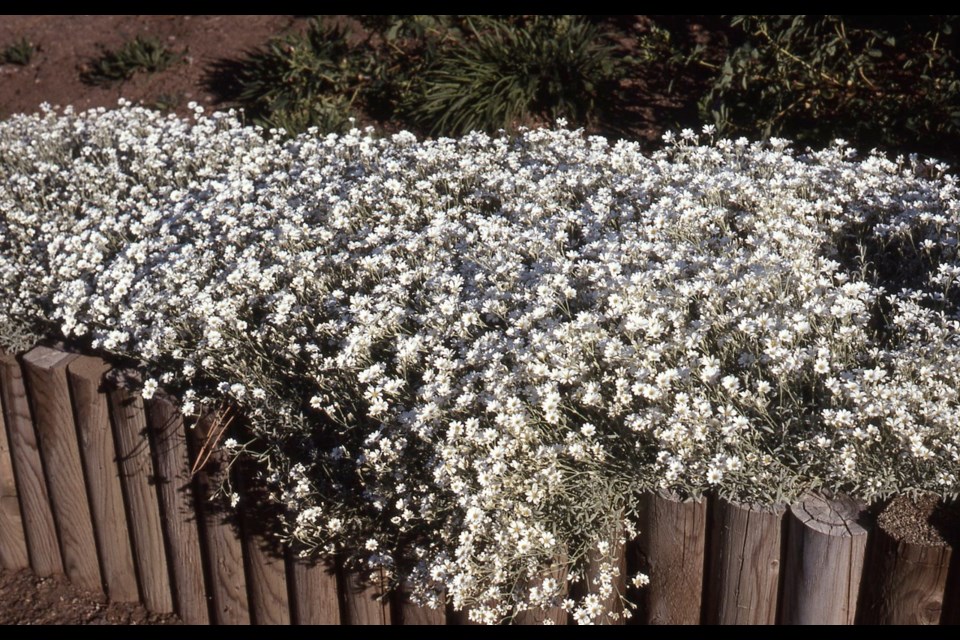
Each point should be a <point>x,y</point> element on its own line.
<point>13,544</point>
<point>267,580</point>
<point>744,564</point>
<point>43,546</point>
<point>265,567</point>
<point>951,596</point>
<point>45,372</point>
<point>227,585</point>
<point>363,601</point>
<point>313,592</point>
<point>672,545</point>
<point>98,454</point>
<point>143,507</point>
<point>826,547</point>
<point>904,583</point>
<point>178,504</point>
<point>409,613</point>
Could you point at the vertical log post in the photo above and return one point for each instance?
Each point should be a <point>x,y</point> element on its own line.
<point>826,545</point>
<point>98,453</point>
<point>177,502</point>
<point>13,545</point>
<point>224,551</point>
<point>313,592</point>
<point>672,545</point>
<point>143,507</point>
<point>409,613</point>
<point>363,601</point>
<point>46,376</point>
<point>908,561</point>
<point>266,571</point>
<point>744,573</point>
<point>43,546</point>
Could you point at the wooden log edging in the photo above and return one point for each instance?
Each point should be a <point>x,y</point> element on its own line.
<point>13,544</point>
<point>906,576</point>
<point>744,568</point>
<point>409,613</point>
<point>221,541</point>
<point>143,507</point>
<point>83,470</point>
<point>45,371</point>
<point>98,453</point>
<point>826,545</point>
<point>43,546</point>
<point>672,546</point>
<point>178,499</point>
<point>364,601</point>
<point>313,589</point>
<point>265,567</point>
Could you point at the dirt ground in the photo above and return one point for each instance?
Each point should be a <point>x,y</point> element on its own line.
<point>28,599</point>
<point>66,44</point>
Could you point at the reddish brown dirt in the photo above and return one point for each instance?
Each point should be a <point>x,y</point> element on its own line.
<point>67,43</point>
<point>27,599</point>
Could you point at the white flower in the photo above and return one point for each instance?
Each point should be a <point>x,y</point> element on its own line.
<point>150,387</point>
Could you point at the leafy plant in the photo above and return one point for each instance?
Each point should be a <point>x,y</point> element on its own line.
<point>138,55</point>
<point>514,70</point>
<point>302,81</point>
<point>875,80</point>
<point>20,53</point>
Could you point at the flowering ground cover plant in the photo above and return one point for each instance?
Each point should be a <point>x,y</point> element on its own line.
<point>462,360</point>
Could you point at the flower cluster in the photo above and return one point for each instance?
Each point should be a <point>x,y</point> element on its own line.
<point>464,359</point>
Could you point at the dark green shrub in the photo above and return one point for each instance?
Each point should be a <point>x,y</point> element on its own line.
<point>508,71</point>
<point>303,80</point>
<point>20,53</point>
<point>890,81</point>
<point>138,55</point>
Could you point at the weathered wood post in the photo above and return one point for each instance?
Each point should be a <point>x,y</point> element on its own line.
<point>672,545</point>
<point>224,550</point>
<point>908,561</point>
<point>364,601</point>
<point>143,505</point>
<point>13,545</point>
<point>826,545</point>
<point>98,453</point>
<point>177,502</point>
<point>313,592</point>
<point>266,569</point>
<point>43,546</point>
<point>45,371</point>
<point>412,614</point>
<point>743,578</point>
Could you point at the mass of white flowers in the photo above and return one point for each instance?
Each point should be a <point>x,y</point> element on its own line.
<point>464,359</point>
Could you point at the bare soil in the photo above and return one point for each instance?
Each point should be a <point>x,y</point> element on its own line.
<point>28,599</point>
<point>67,45</point>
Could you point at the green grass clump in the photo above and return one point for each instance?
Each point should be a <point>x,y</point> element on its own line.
<point>20,52</point>
<point>302,80</point>
<point>146,55</point>
<point>518,70</point>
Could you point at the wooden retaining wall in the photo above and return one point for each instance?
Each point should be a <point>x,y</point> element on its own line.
<point>96,484</point>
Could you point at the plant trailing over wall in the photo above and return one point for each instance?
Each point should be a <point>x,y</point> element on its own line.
<point>462,360</point>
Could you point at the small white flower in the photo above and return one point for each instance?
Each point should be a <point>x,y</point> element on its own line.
<point>150,387</point>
